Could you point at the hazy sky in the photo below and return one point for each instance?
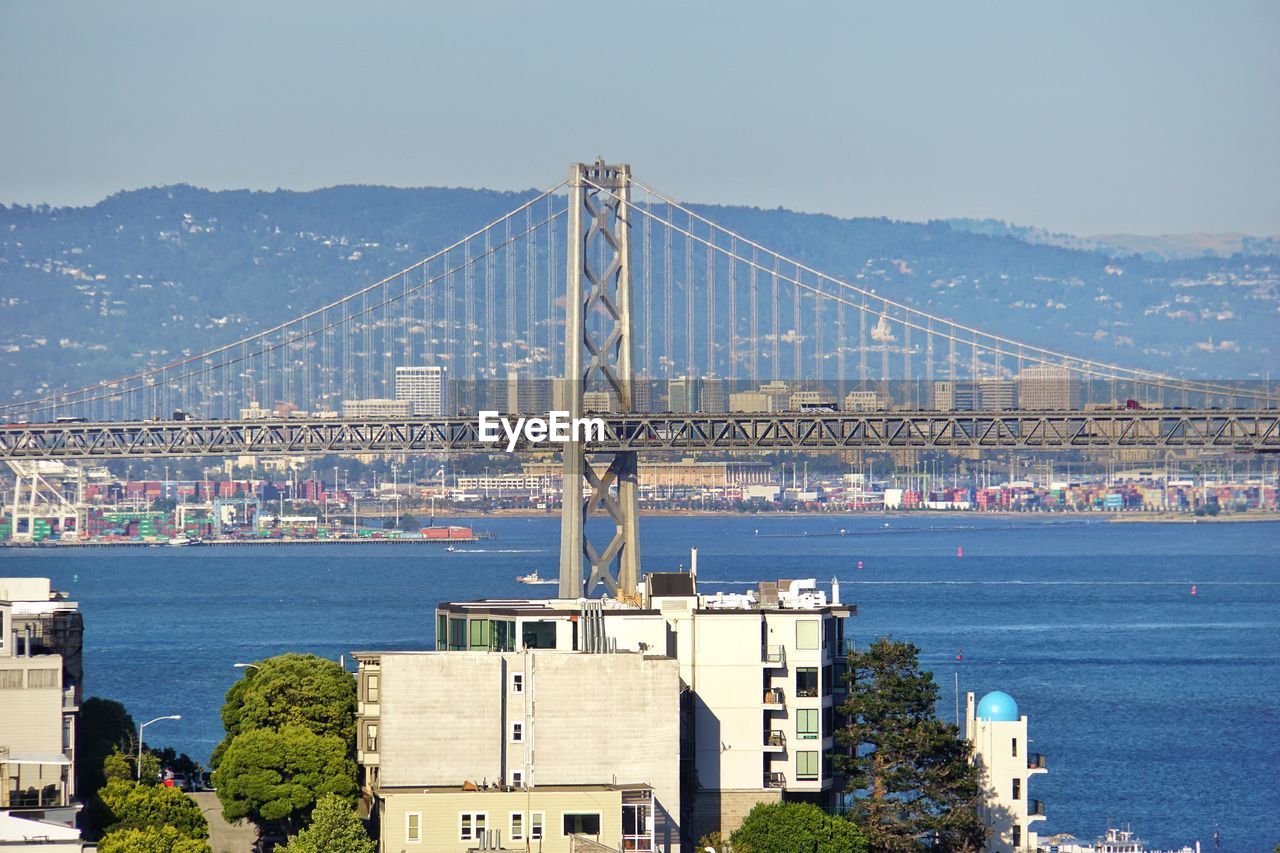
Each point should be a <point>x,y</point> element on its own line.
<point>1148,117</point>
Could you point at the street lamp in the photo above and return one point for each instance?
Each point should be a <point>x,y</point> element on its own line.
<point>143,726</point>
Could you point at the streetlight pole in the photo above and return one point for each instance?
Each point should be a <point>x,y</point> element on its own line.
<point>143,726</point>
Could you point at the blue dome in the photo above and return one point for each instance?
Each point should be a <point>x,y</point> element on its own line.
<point>998,706</point>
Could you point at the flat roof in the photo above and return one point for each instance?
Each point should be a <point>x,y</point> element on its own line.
<point>553,789</point>
<point>568,607</point>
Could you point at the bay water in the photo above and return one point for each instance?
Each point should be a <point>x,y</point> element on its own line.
<point>1154,707</point>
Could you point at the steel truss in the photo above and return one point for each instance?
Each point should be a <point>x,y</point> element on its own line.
<point>1254,431</point>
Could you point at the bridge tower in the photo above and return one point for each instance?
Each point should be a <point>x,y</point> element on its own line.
<point>598,354</point>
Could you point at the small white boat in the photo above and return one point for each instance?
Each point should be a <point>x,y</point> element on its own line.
<point>534,578</point>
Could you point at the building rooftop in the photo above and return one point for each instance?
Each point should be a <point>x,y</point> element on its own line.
<point>798,595</point>
<point>506,789</point>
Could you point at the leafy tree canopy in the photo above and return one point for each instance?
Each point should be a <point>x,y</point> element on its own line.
<point>788,827</point>
<point>273,778</point>
<point>134,806</point>
<point>104,727</point>
<point>910,772</point>
<point>153,839</point>
<point>291,690</point>
<point>334,828</point>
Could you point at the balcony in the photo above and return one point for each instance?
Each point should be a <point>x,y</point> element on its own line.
<point>1035,808</point>
<point>773,698</point>
<point>775,780</point>
<point>774,657</point>
<point>69,702</point>
<point>1036,761</point>
<point>775,741</point>
<point>49,796</point>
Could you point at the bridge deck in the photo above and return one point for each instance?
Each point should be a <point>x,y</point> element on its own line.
<point>1236,429</point>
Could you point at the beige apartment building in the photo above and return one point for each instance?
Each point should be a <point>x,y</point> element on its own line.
<point>759,682</point>
<point>479,748</point>
<point>40,673</point>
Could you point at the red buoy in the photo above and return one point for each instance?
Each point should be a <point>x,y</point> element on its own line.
<point>859,564</point>
<point>960,551</point>
<point>1193,589</point>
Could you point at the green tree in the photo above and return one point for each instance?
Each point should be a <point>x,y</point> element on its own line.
<point>789,827</point>
<point>334,828</point>
<point>291,690</point>
<point>910,772</point>
<point>273,778</point>
<point>134,806</point>
<point>409,523</point>
<point>104,727</point>
<point>153,839</point>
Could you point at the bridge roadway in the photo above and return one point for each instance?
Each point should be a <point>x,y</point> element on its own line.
<point>1256,431</point>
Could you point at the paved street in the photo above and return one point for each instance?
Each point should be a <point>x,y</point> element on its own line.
<point>224,837</point>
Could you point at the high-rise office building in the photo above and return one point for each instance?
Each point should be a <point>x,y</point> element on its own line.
<point>1044,386</point>
<point>712,395</point>
<point>526,395</point>
<point>861,401</point>
<point>682,394</point>
<point>424,388</point>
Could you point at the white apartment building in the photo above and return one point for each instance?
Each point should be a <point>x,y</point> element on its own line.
<point>424,389</point>
<point>761,673</point>
<point>40,673</point>
<point>487,749</point>
<point>999,740</point>
<point>376,408</point>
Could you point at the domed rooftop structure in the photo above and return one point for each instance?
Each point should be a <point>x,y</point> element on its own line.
<point>998,706</point>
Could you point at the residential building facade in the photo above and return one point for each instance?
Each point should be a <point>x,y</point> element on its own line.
<point>487,744</point>
<point>41,636</point>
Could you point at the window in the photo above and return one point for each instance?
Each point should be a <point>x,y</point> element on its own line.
<point>806,681</point>
<point>806,766</point>
<point>371,687</point>
<point>42,678</point>
<point>582,823</point>
<point>535,825</point>
<point>442,632</point>
<point>471,826</point>
<point>517,778</point>
<point>479,634</point>
<point>1017,836</point>
<point>371,737</point>
<point>807,723</point>
<point>517,682</point>
<point>457,634</point>
<point>413,827</point>
<point>517,732</point>
<point>807,634</point>
<point>1015,747</point>
<point>1017,789</point>
<point>10,679</point>
<point>539,635</point>
<point>517,826</point>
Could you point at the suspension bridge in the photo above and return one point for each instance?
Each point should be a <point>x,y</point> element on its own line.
<point>597,290</point>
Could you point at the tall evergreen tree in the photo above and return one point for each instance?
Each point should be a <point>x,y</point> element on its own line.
<point>911,774</point>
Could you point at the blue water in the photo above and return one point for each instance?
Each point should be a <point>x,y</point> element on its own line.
<point>1154,707</point>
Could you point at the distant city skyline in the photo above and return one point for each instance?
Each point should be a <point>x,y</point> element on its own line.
<point>1086,118</point>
